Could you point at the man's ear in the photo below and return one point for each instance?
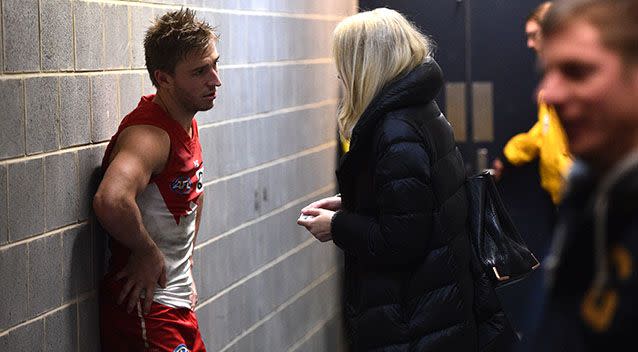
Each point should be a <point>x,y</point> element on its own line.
<point>163,79</point>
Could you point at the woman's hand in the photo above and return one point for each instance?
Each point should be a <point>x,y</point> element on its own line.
<point>318,222</point>
<point>498,167</point>
<point>330,203</point>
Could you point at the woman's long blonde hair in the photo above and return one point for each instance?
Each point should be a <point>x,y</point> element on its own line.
<point>371,49</point>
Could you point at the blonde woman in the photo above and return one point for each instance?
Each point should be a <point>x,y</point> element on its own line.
<point>401,216</point>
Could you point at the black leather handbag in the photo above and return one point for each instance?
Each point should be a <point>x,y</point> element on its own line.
<point>498,246</point>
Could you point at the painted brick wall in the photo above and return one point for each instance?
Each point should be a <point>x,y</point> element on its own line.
<point>70,70</point>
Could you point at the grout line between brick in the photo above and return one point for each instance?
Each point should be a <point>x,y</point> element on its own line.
<point>103,29</point>
<point>309,16</point>
<point>76,72</point>
<point>281,160</point>
<point>129,25</point>
<point>324,277</point>
<point>40,34</point>
<point>77,301</point>
<point>24,114</point>
<point>44,187</point>
<point>55,152</point>
<point>257,272</point>
<point>273,212</point>
<point>42,235</point>
<point>58,110</point>
<point>76,159</point>
<point>272,113</point>
<point>90,81</point>
<point>118,95</point>
<point>104,143</point>
<point>73,38</point>
<point>315,329</point>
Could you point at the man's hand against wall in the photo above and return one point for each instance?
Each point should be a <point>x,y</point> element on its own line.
<point>144,270</point>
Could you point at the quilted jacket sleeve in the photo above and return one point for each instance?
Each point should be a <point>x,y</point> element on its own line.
<point>404,199</point>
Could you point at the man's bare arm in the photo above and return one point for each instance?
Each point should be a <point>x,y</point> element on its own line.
<point>140,152</point>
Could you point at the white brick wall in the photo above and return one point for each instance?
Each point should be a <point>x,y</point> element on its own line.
<point>71,69</point>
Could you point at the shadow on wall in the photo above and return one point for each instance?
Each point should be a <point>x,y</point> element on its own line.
<point>100,238</point>
<point>87,255</point>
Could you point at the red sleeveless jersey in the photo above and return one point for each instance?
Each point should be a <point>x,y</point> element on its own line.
<point>169,202</point>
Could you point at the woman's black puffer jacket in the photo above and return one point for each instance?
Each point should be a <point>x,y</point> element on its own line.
<point>408,279</point>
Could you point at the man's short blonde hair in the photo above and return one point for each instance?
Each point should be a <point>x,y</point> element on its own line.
<point>173,36</point>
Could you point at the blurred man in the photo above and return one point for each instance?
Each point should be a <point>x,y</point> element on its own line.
<point>546,139</point>
<point>590,54</point>
<point>151,196</point>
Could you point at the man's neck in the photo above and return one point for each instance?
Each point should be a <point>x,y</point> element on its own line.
<point>174,110</point>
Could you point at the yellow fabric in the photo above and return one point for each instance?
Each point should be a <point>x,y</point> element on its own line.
<point>546,140</point>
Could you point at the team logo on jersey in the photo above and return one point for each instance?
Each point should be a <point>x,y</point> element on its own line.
<point>182,184</point>
<point>181,348</point>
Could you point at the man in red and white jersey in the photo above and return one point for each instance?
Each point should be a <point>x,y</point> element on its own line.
<point>150,198</point>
